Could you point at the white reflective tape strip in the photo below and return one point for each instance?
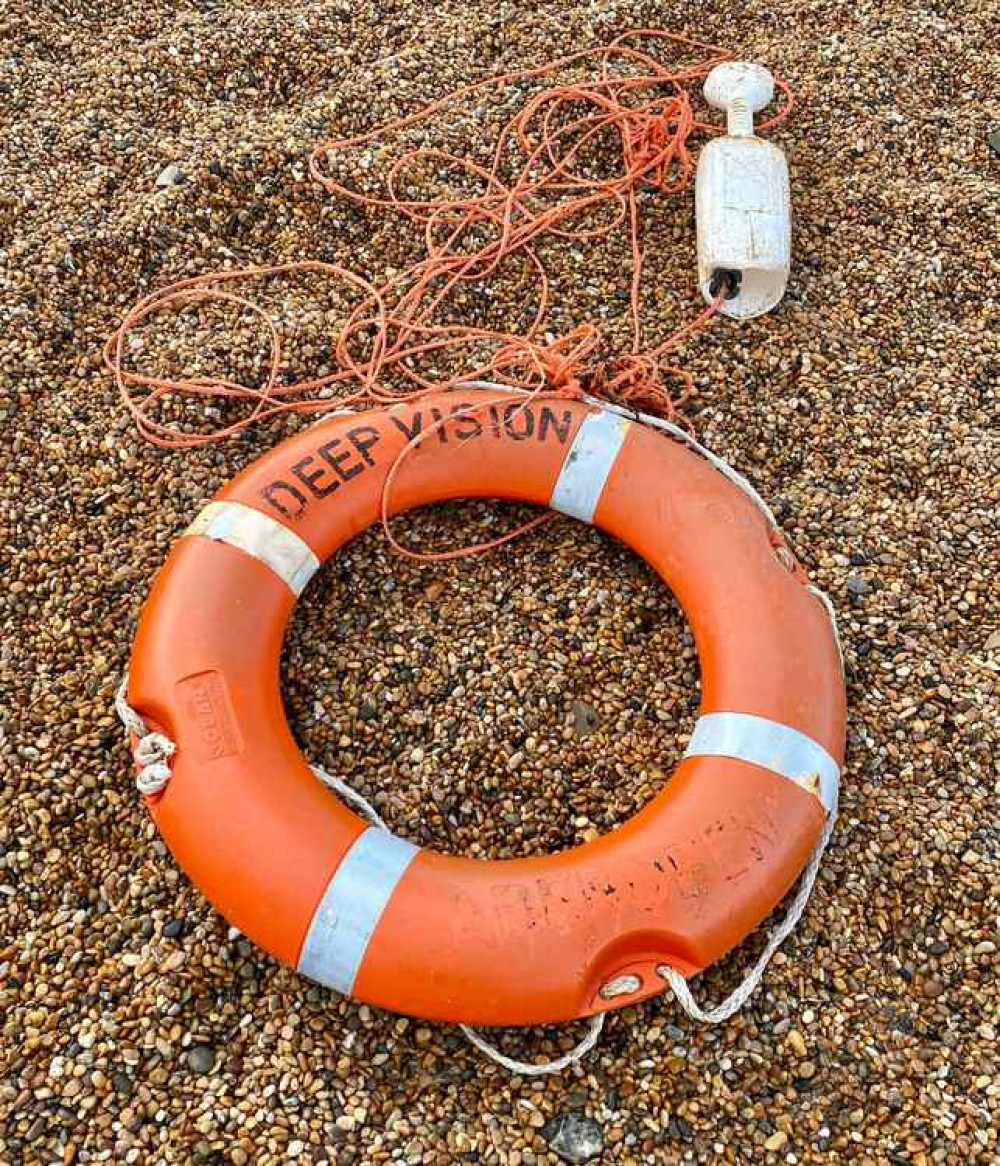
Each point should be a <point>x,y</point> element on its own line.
<point>352,906</point>
<point>588,463</point>
<point>771,745</point>
<point>263,537</point>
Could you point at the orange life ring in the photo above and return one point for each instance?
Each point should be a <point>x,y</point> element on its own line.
<point>519,941</point>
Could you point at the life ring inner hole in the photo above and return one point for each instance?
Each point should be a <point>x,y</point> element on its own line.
<point>514,703</point>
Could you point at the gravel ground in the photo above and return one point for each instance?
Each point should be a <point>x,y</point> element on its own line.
<point>517,702</point>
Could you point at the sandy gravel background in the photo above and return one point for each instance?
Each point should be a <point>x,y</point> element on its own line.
<point>135,1027</point>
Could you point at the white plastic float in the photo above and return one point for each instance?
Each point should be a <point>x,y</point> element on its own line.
<point>742,201</point>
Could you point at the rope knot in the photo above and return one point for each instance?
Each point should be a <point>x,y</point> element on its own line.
<point>561,375</point>
<point>152,751</point>
<point>152,754</point>
<point>654,142</point>
<point>637,381</point>
<point>559,366</point>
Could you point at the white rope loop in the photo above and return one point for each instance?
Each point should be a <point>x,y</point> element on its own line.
<point>751,981</point>
<point>339,786</point>
<point>152,751</point>
<point>526,1068</point>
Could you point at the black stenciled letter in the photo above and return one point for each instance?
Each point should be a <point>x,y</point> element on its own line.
<point>442,429</point>
<point>336,463</point>
<point>363,437</point>
<point>515,415</point>
<point>311,479</point>
<point>407,431</point>
<point>466,424</point>
<point>271,494</point>
<point>550,420</point>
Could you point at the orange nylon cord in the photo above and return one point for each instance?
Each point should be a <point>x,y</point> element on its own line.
<point>558,374</point>
<point>634,96</point>
<point>472,548</point>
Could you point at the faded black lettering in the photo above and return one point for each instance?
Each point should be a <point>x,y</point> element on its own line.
<point>336,463</point>
<point>311,479</point>
<point>550,420</point>
<point>272,492</point>
<point>517,416</point>
<point>467,425</point>
<point>363,437</point>
<point>408,432</point>
<point>442,428</point>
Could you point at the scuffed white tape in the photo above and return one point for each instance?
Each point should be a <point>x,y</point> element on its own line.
<point>588,464</point>
<point>249,530</point>
<point>771,745</point>
<point>352,906</point>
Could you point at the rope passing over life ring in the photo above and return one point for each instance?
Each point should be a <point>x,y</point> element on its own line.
<point>519,941</point>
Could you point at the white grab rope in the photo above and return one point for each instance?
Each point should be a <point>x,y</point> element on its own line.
<point>719,463</point>
<point>526,1068</point>
<point>153,751</point>
<point>339,786</point>
<point>832,613</point>
<point>751,981</point>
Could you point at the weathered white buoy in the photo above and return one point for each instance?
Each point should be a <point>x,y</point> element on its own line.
<point>742,200</point>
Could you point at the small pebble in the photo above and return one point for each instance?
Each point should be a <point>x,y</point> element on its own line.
<point>858,586</point>
<point>201,1059</point>
<point>170,176</point>
<point>932,988</point>
<point>585,718</point>
<point>573,1137</point>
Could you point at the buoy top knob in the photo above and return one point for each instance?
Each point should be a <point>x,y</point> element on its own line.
<point>741,88</point>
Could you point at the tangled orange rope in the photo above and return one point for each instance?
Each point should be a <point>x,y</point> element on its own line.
<point>635,96</point>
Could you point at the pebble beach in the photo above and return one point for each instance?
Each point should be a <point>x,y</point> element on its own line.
<point>528,699</point>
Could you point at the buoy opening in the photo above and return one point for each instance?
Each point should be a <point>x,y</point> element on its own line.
<point>516,703</point>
